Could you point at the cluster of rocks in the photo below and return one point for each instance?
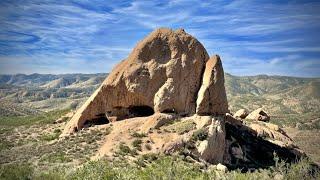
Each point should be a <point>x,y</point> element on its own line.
<point>258,115</point>
<point>169,76</point>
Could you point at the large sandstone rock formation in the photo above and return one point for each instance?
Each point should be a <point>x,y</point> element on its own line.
<point>163,73</point>
<point>169,90</point>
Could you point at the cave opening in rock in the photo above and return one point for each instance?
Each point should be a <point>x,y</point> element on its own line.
<point>99,120</point>
<point>169,111</point>
<point>141,111</point>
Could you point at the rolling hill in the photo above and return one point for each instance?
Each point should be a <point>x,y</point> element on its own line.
<point>278,95</point>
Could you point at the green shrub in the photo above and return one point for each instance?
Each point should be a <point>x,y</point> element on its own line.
<point>125,150</point>
<point>138,135</point>
<point>200,135</point>
<point>137,144</point>
<point>150,157</point>
<point>49,137</point>
<point>57,131</point>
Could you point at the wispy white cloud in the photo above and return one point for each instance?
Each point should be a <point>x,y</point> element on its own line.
<point>87,36</point>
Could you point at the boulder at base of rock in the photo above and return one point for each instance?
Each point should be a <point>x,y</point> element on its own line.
<point>241,113</point>
<point>258,115</point>
<point>221,167</point>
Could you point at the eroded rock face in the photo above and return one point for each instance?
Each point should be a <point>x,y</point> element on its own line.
<point>253,145</point>
<point>212,98</point>
<point>163,73</point>
<point>212,148</point>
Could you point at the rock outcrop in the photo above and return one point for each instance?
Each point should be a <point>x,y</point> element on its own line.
<point>258,115</point>
<point>241,113</point>
<point>163,73</point>
<point>212,98</point>
<point>172,93</point>
<point>254,144</point>
<point>212,148</point>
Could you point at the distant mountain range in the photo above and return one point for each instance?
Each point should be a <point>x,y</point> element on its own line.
<point>278,94</point>
<point>30,94</point>
<point>24,94</point>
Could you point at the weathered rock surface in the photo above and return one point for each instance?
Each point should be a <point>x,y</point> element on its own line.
<point>157,120</point>
<point>212,148</point>
<point>212,98</point>
<point>169,90</point>
<point>258,115</point>
<point>254,144</point>
<point>163,73</point>
<point>241,113</point>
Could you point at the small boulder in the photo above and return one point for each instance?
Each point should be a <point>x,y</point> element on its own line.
<point>221,167</point>
<point>241,113</point>
<point>258,115</point>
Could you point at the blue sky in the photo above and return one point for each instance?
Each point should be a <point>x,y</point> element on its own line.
<point>89,36</point>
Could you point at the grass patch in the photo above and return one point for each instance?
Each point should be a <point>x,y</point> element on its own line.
<point>58,157</point>
<point>181,127</point>
<point>158,167</point>
<point>4,144</point>
<point>138,135</point>
<point>16,171</point>
<point>45,118</point>
<point>49,137</point>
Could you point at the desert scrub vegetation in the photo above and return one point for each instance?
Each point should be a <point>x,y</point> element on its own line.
<point>44,118</point>
<point>124,150</point>
<point>199,135</point>
<point>138,135</point>
<point>56,157</point>
<point>75,148</point>
<point>181,127</point>
<point>52,136</point>
<point>137,144</point>
<point>158,167</point>
<point>307,120</point>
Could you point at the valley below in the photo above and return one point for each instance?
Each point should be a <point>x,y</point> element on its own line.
<point>30,106</point>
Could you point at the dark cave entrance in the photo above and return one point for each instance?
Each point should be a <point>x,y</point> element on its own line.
<point>99,120</point>
<point>168,111</point>
<point>140,111</point>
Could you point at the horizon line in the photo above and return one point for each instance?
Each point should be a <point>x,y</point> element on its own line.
<point>56,74</point>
